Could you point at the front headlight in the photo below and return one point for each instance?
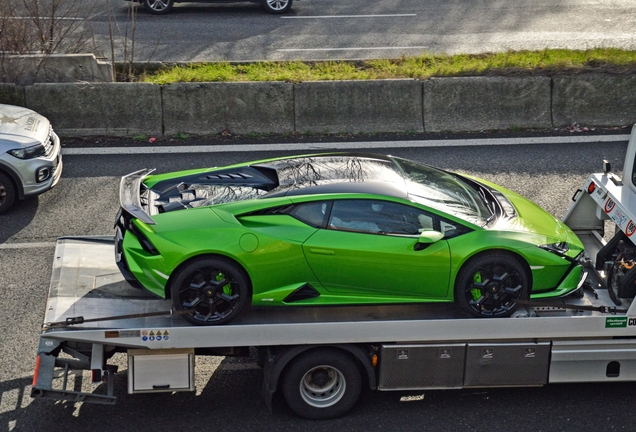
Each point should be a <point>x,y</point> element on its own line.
<point>560,248</point>
<point>28,152</point>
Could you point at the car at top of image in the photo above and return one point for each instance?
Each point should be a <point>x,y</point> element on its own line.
<point>162,7</point>
<point>30,155</point>
<point>337,229</point>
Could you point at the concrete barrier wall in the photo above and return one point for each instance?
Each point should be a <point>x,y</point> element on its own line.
<point>119,109</point>
<point>242,108</point>
<point>439,104</point>
<point>48,68</point>
<point>358,106</point>
<point>12,94</point>
<point>483,103</point>
<point>594,99</point>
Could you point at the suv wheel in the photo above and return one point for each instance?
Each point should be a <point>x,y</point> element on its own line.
<point>7,192</point>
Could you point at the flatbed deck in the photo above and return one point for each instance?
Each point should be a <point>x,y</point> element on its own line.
<point>86,283</point>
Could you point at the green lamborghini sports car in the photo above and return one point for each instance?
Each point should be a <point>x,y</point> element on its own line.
<point>337,229</point>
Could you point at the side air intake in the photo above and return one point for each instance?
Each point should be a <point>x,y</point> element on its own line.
<point>303,293</point>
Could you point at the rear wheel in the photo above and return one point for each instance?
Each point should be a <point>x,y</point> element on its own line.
<point>7,192</point>
<point>158,7</point>
<point>277,6</point>
<point>489,285</point>
<point>213,291</point>
<point>322,384</point>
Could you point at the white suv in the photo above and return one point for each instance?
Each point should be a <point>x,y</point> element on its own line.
<point>30,155</point>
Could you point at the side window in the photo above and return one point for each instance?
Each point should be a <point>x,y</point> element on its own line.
<point>375,216</point>
<point>452,229</point>
<point>312,213</point>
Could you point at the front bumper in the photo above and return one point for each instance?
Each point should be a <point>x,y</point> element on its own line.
<point>570,283</point>
<point>26,170</point>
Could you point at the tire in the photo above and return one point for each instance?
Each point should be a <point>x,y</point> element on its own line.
<point>7,192</point>
<point>277,6</point>
<point>322,384</point>
<point>158,7</point>
<point>214,290</point>
<point>489,285</point>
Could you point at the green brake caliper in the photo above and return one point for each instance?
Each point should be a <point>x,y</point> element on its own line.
<point>227,288</point>
<point>476,292</point>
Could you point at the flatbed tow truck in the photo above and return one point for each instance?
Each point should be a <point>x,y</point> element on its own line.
<point>320,358</point>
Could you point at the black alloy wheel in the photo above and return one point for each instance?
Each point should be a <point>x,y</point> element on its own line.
<point>490,284</point>
<point>213,290</point>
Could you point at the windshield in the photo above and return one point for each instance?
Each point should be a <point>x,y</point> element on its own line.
<point>445,192</point>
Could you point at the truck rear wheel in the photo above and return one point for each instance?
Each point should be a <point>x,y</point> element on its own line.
<point>322,384</point>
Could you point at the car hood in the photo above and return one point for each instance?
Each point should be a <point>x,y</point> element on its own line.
<point>22,126</point>
<point>533,219</point>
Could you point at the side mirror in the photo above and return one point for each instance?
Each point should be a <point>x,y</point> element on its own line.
<point>428,237</point>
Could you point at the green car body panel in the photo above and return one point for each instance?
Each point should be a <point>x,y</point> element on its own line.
<point>280,253</point>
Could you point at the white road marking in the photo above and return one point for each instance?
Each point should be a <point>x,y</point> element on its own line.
<point>49,18</point>
<point>347,16</point>
<point>352,48</point>
<point>27,245</point>
<point>363,145</point>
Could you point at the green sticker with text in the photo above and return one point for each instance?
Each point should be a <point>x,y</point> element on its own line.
<point>614,322</point>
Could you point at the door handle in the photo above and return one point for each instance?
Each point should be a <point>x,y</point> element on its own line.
<point>318,251</point>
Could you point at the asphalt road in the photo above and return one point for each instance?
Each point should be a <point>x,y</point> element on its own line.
<point>228,390</point>
<point>358,29</point>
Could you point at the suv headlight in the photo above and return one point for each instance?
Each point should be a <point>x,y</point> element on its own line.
<point>28,152</point>
<point>560,248</point>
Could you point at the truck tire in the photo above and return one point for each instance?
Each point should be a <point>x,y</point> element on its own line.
<point>490,284</point>
<point>322,384</point>
<point>7,192</point>
<point>277,6</point>
<point>158,7</point>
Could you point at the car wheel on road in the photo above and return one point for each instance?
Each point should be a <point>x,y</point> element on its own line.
<point>490,284</point>
<point>322,384</point>
<point>158,7</point>
<point>277,6</point>
<point>213,290</point>
<point>7,192</point>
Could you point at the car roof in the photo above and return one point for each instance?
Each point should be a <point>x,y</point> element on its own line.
<point>306,174</point>
<point>336,173</point>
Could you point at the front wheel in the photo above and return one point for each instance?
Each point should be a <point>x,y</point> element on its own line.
<point>212,290</point>
<point>490,285</point>
<point>7,192</point>
<point>322,384</point>
<point>277,6</point>
<point>158,7</point>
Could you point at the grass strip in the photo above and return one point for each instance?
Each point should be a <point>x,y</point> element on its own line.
<point>545,62</point>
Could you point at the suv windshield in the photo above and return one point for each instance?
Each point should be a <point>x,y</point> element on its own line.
<point>444,191</point>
